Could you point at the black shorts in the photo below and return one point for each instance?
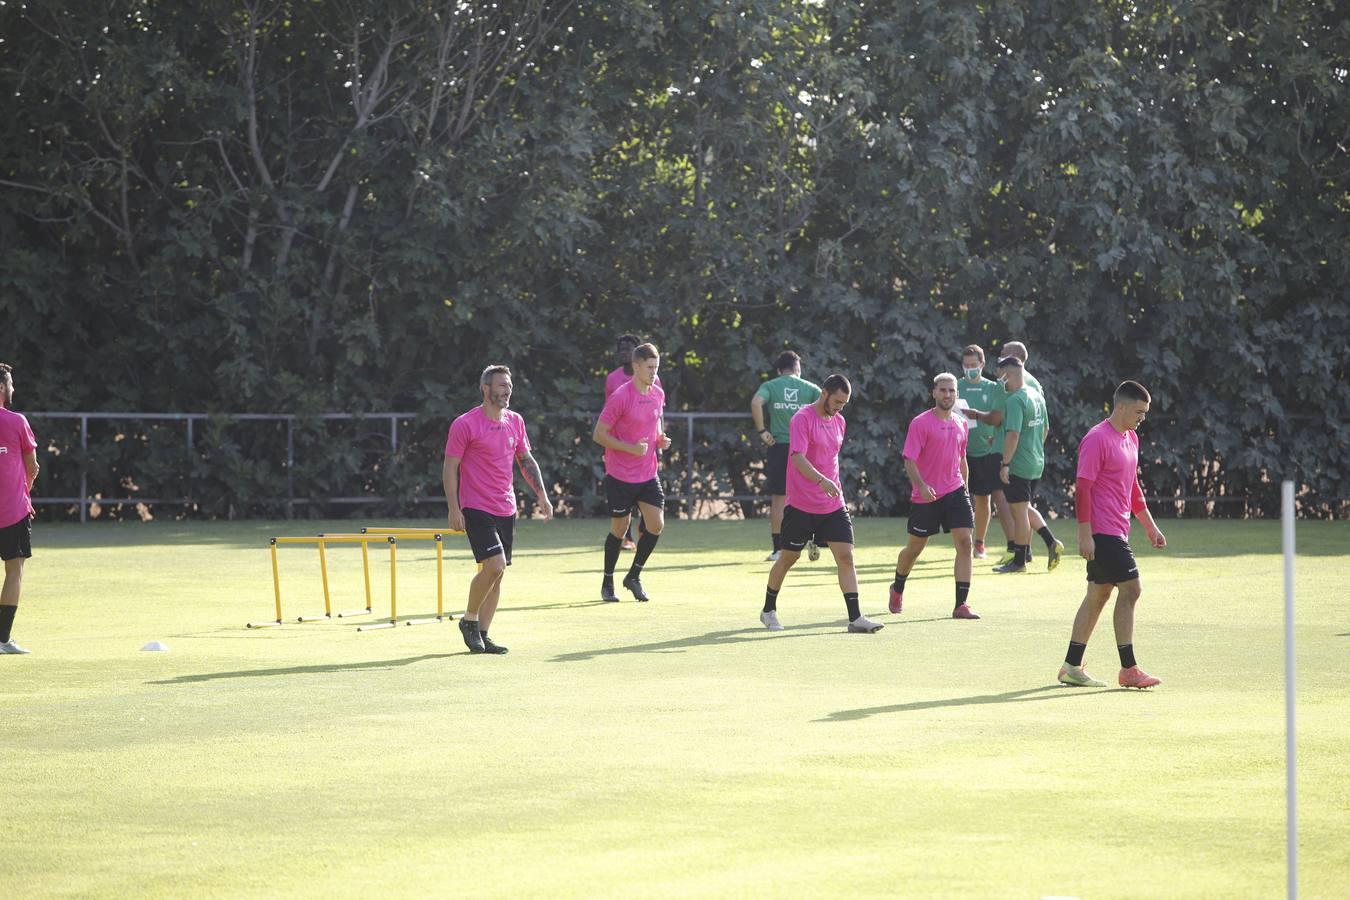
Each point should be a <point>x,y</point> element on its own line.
<point>1020,490</point>
<point>823,528</point>
<point>775,467</point>
<point>621,495</point>
<point>489,535</point>
<point>1113,561</point>
<point>984,478</point>
<point>17,540</point>
<point>951,510</point>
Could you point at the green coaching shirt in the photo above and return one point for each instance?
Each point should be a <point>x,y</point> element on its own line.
<point>1025,414</point>
<point>783,396</point>
<point>986,396</point>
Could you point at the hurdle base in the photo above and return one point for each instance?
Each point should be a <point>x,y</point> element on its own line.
<point>377,625</point>
<point>353,612</point>
<point>432,621</point>
<point>321,618</point>
<point>262,624</point>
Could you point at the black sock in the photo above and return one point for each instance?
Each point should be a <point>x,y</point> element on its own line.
<point>6,621</point>
<point>1075,655</point>
<point>899,583</point>
<point>613,546</point>
<point>962,592</point>
<point>851,601</point>
<point>1022,551</point>
<point>770,600</point>
<point>777,541</point>
<point>1126,655</point>
<point>1012,545</point>
<point>646,544</point>
<point>1047,535</point>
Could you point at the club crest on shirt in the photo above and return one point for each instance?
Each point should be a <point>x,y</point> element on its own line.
<point>790,394</point>
<point>3,450</point>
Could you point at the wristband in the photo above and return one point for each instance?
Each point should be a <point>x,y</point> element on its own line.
<point>764,431</point>
<point>1004,465</point>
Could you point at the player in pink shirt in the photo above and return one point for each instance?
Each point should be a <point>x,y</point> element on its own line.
<point>617,379</point>
<point>632,431</point>
<point>1107,490</point>
<point>935,461</point>
<point>480,450</point>
<point>815,504</point>
<point>18,470</point>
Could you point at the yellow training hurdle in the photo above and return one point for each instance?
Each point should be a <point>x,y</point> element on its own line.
<point>368,535</point>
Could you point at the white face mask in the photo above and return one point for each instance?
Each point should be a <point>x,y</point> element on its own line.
<point>972,374</point>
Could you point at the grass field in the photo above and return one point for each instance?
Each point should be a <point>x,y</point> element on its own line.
<point>668,748</point>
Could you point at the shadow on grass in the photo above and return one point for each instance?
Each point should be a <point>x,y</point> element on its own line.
<point>726,639</point>
<point>1045,692</point>
<point>307,670</point>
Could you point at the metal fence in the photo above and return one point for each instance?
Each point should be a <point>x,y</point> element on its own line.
<point>189,420</point>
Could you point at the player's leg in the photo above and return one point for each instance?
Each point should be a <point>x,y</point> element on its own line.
<point>506,529</point>
<point>488,551</point>
<point>904,562</point>
<point>9,604</point>
<point>1005,522</point>
<point>619,499</point>
<point>1021,536</point>
<point>964,543</point>
<point>1084,621</point>
<point>982,516</point>
<point>848,584</point>
<point>1131,675</point>
<point>651,507</point>
<point>796,533</point>
<point>1054,547</point>
<point>776,504</point>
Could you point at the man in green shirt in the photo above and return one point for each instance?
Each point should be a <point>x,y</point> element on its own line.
<point>1025,426</point>
<point>984,402</point>
<point>1052,545</point>
<point>782,396</point>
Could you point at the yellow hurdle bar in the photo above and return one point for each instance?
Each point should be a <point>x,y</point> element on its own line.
<point>276,589</point>
<point>393,588</point>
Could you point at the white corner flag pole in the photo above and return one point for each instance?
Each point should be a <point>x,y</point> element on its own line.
<point>1291,783</point>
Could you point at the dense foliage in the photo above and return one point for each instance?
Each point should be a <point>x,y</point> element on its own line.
<point>300,206</point>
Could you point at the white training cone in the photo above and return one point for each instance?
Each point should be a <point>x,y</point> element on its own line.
<point>156,645</point>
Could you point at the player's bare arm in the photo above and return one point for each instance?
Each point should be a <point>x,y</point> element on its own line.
<point>1009,451</point>
<point>757,413</point>
<point>450,481</point>
<point>665,441</point>
<point>602,437</point>
<point>529,470</point>
<point>31,466</point>
<point>804,466</point>
<point>924,488</point>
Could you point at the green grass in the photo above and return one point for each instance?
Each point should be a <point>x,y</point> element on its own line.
<point>669,748</point>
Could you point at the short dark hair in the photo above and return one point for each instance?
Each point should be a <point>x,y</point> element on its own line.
<point>1131,390</point>
<point>787,360</point>
<point>646,351</point>
<point>1010,362</point>
<point>5,371</point>
<point>628,339</point>
<point>836,383</point>
<point>486,378</point>
<point>973,350</point>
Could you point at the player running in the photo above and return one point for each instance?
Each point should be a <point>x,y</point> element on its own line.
<point>632,431</point>
<point>18,471</point>
<point>985,399</point>
<point>783,396</point>
<point>815,504</point>
<point>617,379</point>
<point>935,461</point>
<point>1107,490</point>
<point>479,450</point>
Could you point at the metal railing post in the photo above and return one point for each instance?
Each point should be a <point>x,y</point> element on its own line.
<point>84,469</point>
<point>290,467</point>
<point>689,464</point>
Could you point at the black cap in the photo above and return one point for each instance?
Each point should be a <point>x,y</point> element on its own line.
<point>1010,362</point>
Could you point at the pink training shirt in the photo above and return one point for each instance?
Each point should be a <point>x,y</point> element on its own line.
<point>937,447</point>
<point>819,439</point>
<point>16,439</point>
<point>1110,460</point>
<point>487,450</point>
<point>618,378</point>
<point>631,416</point>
